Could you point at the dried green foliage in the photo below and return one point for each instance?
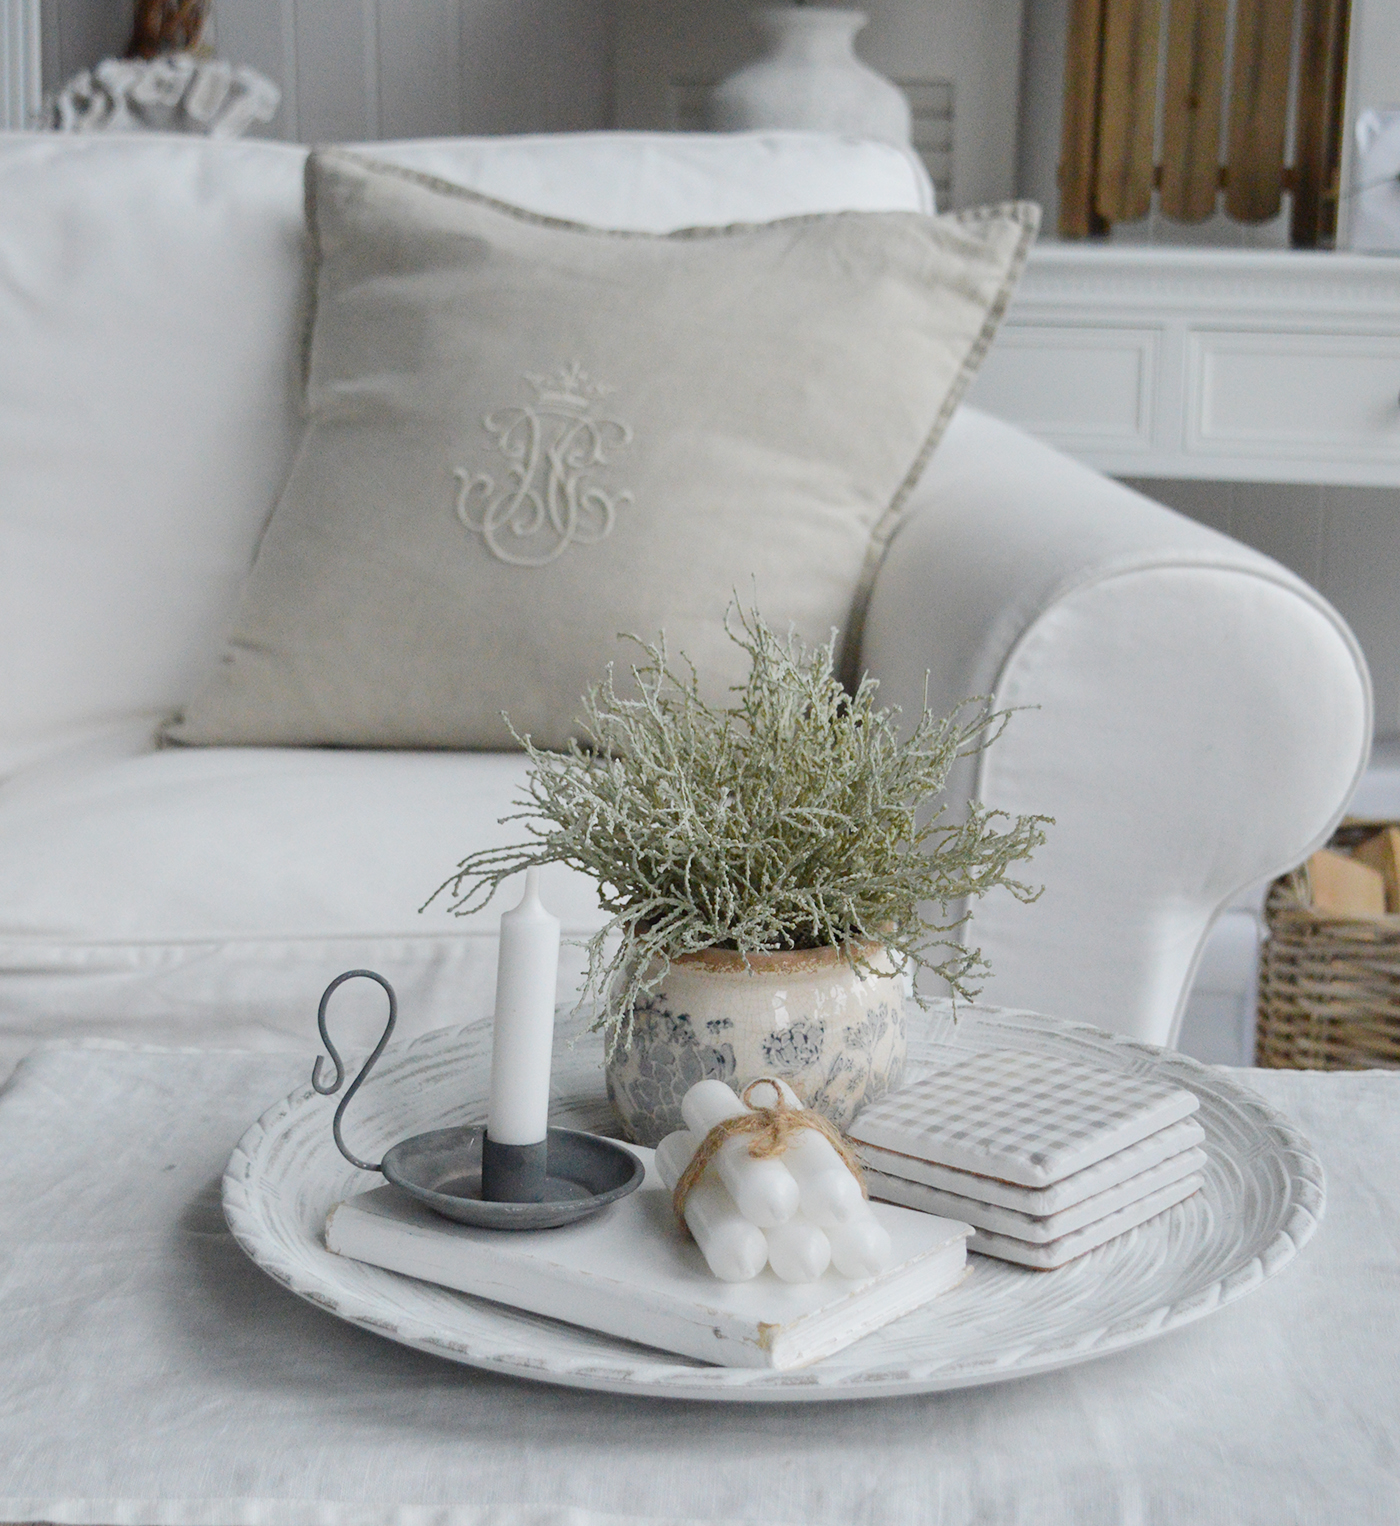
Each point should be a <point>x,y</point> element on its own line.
<point>793,818</point>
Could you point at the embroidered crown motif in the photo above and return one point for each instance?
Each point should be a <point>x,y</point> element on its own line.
<point>568,387</point>
<point>550,498</point>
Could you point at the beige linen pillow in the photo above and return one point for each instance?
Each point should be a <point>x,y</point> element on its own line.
<point>525,436</point>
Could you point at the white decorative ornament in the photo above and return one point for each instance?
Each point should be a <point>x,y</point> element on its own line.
<point>549,500</point>
<point>809,77</point>
<point>177,92</point>
<point>1375,211</point>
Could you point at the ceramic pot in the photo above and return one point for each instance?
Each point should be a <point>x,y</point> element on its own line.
<point>809,77</point>
<point>835,1034</point>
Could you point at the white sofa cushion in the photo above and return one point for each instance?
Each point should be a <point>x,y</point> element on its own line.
<point>206,896</point>
<point>151,303</point>
<point>657,182</point>
<point>149,290</point>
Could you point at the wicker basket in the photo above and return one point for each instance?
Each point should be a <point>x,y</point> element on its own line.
<point>1329,987</point>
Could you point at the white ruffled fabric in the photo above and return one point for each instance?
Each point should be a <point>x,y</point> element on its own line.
<point>149,1373</point>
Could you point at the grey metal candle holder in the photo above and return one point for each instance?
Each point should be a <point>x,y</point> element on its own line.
<point>567,1177</point>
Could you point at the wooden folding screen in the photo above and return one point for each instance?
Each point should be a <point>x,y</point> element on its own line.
<point>1117,73</point>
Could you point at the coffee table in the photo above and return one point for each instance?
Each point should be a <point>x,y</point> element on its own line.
<point>150,1372</point>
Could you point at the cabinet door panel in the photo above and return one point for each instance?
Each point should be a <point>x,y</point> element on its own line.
<point>1074,386</point>
<point>1315,394</point>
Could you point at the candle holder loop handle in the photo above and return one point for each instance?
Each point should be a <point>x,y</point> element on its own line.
<point>334,1086</point>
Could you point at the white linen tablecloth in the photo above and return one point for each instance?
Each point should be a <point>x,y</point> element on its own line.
<point>149,1373</point>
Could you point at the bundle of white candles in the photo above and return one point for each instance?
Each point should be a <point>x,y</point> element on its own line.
<point>799,1213</point>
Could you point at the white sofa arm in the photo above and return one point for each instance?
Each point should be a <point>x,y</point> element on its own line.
<point>1202,716</point>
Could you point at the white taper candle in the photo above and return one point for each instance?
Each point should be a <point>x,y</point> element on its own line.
<point>764,1191</point>
<point>527,971</point>
<point>734,1249</point>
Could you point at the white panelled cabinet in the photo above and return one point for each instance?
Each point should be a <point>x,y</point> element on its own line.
<point>1231,365</point>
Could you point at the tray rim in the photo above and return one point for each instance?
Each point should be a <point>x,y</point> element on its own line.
<point>643,1371</point>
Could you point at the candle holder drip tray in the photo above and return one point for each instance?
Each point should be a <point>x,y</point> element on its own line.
<point>442,1168</point>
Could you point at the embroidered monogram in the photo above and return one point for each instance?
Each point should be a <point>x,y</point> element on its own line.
<point>550,498</point>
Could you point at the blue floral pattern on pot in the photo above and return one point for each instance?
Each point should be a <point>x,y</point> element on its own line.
<point>834,1034</point>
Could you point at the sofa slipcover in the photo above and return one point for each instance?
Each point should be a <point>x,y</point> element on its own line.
<point>1196,716</point>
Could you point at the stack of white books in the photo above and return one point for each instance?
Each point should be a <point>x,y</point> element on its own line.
<point>1045,1157</point>
<point>632,1271</point>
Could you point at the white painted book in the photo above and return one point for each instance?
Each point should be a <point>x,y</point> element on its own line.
<point>630,1271</point>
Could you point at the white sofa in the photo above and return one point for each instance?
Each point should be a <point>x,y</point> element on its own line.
<point>1200,715</point>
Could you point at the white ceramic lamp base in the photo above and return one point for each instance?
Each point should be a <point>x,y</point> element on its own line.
<point>809,77</point>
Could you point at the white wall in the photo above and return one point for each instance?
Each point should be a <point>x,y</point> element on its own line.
<point>1345,541</point>
<point>357,69</point>
<point>21,41</point>
<point>77,33</point>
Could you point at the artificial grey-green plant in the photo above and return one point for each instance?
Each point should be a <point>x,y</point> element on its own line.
<point>793,818</point>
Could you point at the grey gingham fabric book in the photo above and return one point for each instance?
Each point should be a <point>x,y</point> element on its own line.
<point>1032,1119</point>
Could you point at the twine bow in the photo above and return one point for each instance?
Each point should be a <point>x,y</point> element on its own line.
<point>772,1128</point>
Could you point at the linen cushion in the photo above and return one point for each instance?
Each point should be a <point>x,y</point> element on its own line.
<point>526,435</point>
<point>151,314</point>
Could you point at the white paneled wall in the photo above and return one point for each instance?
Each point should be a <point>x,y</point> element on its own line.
<point>1345,541</point>
<point>78,33</point>
<point>20,67</point>
<point>362,69</point>
<point>358,69</point>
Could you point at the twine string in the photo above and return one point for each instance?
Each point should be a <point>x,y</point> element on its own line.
<point>772,1129</point>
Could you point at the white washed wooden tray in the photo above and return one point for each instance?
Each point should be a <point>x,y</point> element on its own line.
<point>1262,1199</point>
